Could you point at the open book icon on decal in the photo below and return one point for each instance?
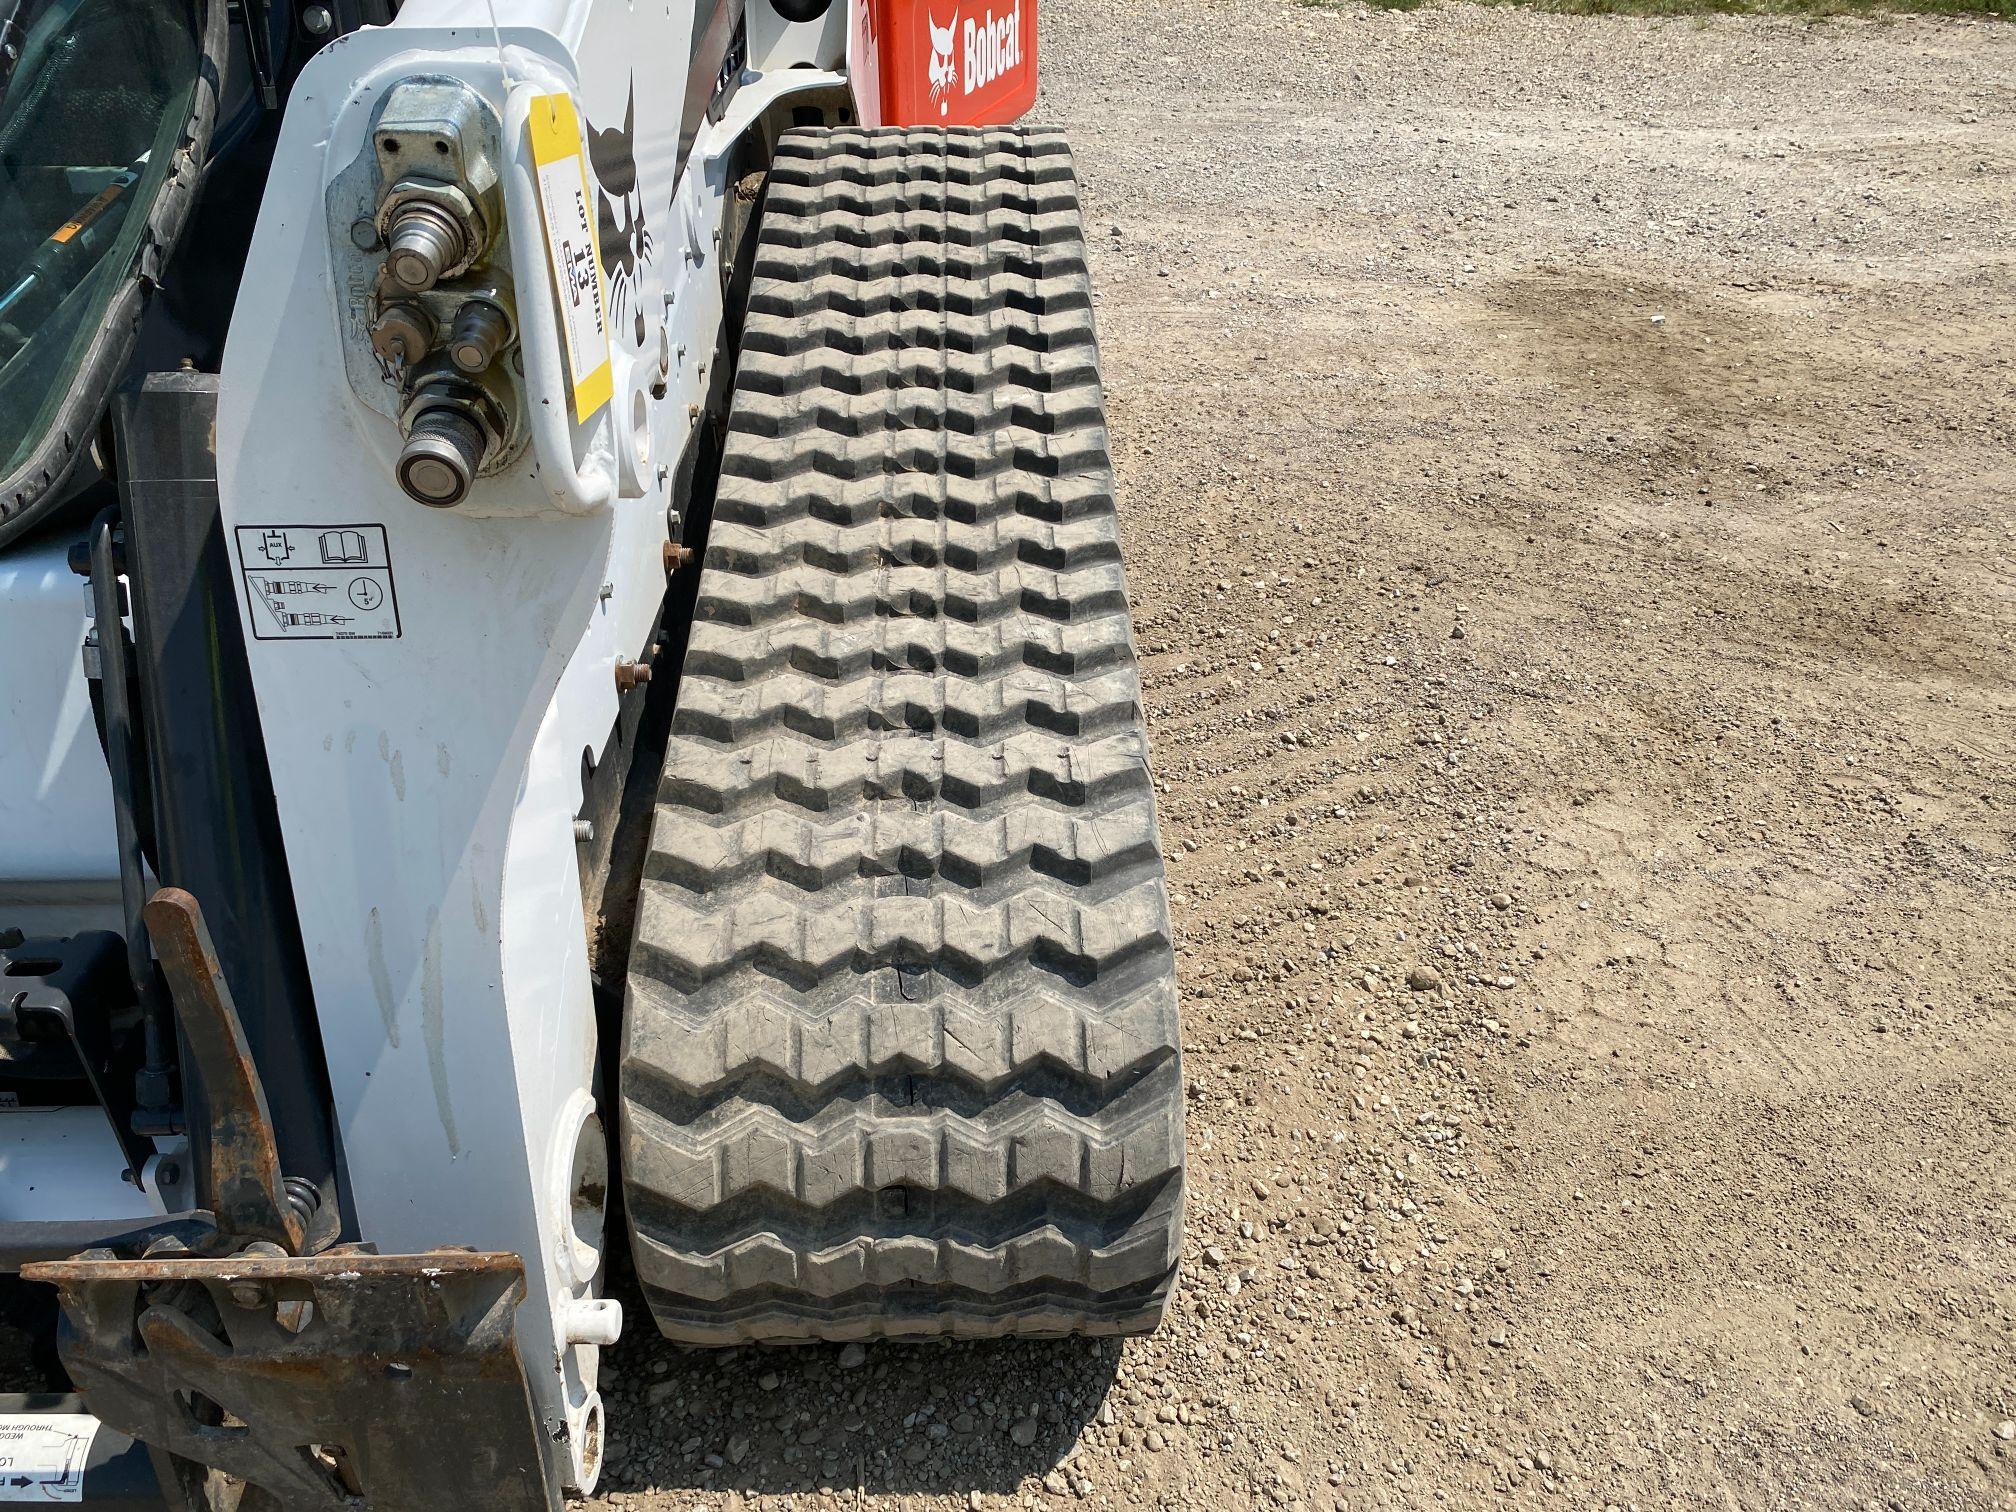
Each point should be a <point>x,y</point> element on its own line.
<point>343,548</point>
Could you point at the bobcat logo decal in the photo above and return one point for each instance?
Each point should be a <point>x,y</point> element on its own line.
<point>626,245</point>
<point>944,72</point>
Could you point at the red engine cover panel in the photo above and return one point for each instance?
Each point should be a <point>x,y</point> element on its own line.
<point>942,62</point>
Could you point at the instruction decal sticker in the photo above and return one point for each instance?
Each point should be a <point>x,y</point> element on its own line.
<point>42,1456</point>
<point>318,582</point>
<point>573,251</point>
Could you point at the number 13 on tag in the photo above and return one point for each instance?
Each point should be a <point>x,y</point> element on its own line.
<point>572,251</point>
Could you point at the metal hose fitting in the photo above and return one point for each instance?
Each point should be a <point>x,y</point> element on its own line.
<point>425,241</point>
<point>479,335</point>
<point>437,466</point>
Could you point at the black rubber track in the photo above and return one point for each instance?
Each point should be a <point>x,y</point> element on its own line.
<point>900,1048</point>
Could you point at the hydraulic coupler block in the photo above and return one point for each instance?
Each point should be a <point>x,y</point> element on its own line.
<point>423,278</point>
<point>440,204</point>
<point>422,273</point>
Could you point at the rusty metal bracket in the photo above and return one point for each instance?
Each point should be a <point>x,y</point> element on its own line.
<point>245,1187</point>
<point>340,1382</point>
<point>267,1380</point>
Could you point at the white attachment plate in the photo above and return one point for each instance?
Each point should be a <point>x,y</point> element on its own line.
<point>56,833</point>
<point>61,1165</point>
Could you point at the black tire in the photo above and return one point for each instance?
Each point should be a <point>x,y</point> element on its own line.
<point>900,1046</point>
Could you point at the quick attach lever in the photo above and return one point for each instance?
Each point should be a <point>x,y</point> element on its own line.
<point>245,1188</point>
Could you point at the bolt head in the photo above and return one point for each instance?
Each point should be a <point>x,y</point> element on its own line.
<point>317,20</point>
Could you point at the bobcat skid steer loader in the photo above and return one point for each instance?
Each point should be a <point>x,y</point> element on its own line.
<point>563,664</point>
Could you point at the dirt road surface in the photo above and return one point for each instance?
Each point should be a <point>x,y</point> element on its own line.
<point>1567,471</point>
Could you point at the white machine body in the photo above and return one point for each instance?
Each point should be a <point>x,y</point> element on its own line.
<point>59,866</point>
<point>432,684</point>
<point>427,756</point>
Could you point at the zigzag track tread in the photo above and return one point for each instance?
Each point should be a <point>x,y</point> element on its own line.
<point>894,496</point>
<point>900,1044</point>
<point>823,778</point>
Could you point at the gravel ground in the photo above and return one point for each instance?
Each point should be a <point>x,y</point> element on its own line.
<point>1567,472</point>
<point>1567,469</point>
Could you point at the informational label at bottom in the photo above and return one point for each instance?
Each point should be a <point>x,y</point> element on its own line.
<point>42,1456</point>
<point>318,582</point>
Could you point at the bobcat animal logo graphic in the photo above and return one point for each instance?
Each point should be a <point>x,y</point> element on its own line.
<point>626,245</point>
<point>944,72</point>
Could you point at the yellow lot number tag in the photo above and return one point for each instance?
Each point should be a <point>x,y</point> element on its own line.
<point>572,251</point>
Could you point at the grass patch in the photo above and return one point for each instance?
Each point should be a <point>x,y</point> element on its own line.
<point>2000,10</point>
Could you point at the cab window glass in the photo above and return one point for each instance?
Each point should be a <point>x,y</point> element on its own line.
<point>96,97</point>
